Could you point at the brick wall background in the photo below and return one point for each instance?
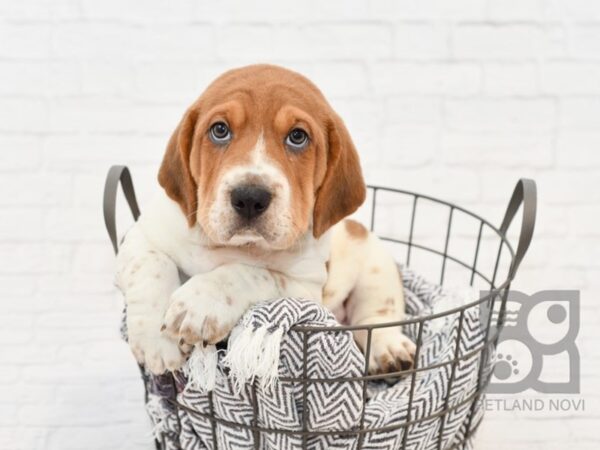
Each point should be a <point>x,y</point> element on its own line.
<point>452,98</point>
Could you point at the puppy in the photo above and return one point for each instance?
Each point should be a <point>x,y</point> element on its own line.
<point>256,180</point>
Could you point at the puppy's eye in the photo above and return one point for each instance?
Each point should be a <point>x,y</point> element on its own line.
<point>297,139</point>
<point>220,133</point>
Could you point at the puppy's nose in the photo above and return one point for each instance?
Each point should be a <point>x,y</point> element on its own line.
<point>250,201</point>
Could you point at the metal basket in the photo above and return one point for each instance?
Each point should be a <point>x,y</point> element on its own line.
<point>493,298</point>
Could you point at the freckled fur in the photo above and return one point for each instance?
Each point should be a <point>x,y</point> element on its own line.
<point>299,247</point>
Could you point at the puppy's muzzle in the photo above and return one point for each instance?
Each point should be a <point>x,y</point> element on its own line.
<point>250,201</point>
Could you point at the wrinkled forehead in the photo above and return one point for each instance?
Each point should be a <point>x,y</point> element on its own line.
<point>262,96</point>
<point>262,80</point>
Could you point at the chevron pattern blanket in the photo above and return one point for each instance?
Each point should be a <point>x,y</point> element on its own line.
<point>264,348</point>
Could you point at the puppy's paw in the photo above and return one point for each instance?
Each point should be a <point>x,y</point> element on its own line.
<point>200,312</point>
<point>156,352</point>
<point>391,351</point>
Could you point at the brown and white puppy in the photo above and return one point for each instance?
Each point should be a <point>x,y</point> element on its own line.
<point>256,180</point>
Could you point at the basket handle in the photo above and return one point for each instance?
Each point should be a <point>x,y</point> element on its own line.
<point>117,175</point>
<point>525,193</point>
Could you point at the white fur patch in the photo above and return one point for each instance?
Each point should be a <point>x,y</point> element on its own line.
<point>275,225</point>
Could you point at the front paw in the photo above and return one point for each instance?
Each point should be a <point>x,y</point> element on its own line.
<point>200,312</point>
<point>157,353</point>
<point>391,351</point>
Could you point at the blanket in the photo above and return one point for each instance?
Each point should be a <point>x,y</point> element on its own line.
<point>264,349</point>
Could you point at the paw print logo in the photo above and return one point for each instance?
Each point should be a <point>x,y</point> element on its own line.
<point>505,367</point>
<point>512,365</point>
<point>536,343</point>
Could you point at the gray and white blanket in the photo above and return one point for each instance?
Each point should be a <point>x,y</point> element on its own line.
<point>264,350</point>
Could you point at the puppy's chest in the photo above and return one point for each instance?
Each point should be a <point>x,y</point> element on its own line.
<point>305,265</point>
<point>205,259</point>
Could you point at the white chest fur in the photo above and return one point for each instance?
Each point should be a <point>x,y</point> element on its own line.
<point>165,226</point>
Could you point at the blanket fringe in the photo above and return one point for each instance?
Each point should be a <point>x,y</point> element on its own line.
<point>158,415</point>
<point>201,368</point>
<point>253,353</point>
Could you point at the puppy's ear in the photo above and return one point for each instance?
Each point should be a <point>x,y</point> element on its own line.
<point>175,175</point>
<point>343,189</point>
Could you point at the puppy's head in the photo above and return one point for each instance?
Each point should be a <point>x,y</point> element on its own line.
<point>261,159</point>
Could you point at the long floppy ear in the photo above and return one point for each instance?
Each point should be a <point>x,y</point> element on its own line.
<point>343,189</point>
<point>174,175</point>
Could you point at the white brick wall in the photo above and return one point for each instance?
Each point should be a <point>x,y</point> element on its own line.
<point>454,98</point>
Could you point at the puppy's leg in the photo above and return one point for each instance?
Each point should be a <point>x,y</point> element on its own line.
<point>376,296</point>
<point>344,267</point>
<point>147,279</point>
<point>208,305</point>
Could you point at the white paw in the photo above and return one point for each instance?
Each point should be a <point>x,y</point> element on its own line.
<point>391,351</point>
<point>156,352</point>
<point>200,312</point>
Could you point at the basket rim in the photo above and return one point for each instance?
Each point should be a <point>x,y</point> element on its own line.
<point>414,320</point>
<point>375,187</point>
<point>524,195</point>
<point>494,291</point>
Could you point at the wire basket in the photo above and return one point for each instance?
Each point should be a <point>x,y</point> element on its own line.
<point>430,249</point>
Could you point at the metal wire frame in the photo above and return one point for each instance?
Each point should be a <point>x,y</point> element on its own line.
<point>524,194</point>
<point>362,431</point>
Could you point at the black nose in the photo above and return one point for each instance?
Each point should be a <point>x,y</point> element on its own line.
<point>250,201</point>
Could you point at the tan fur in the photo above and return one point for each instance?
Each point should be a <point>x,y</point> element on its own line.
<point>193,226</point>
<point>355,229</point>
<point>343,189</point>
<point>271,100</point>
<point>175,175</point>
